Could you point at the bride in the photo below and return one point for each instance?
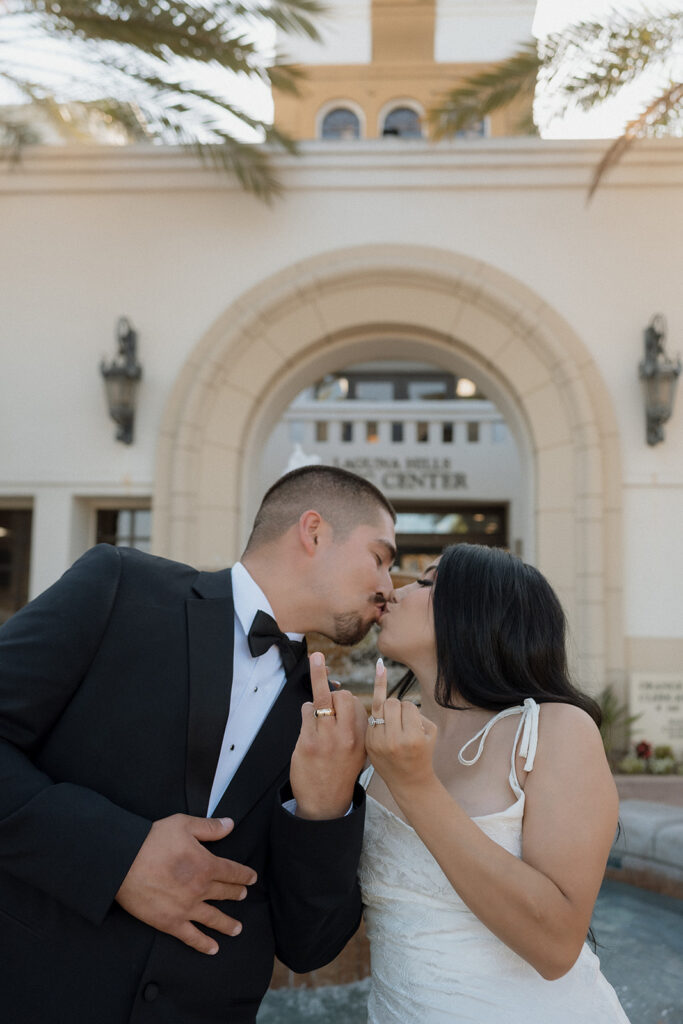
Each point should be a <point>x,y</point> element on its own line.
<point>490,812</point>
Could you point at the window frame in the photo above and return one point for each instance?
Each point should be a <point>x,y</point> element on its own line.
<point>397,104</point>
<point>340,104</point>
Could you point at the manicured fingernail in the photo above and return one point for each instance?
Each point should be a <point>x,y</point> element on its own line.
<point>237,929</point>
<point>212,952</point>
<point>380,665</point>
<point>317,659</point>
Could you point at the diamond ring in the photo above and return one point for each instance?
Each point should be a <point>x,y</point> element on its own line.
<point>375,721</point>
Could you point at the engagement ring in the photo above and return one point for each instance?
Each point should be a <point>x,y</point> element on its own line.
<point>375,721</point>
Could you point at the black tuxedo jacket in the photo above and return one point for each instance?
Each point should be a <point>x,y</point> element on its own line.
<point>114,694</point>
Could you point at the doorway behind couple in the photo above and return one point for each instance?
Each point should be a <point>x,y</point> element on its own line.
<point>432,441</point>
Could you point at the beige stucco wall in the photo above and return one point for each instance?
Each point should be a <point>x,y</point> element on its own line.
<point>372,89</point>
<point>483,256</point>
<point>406,63</point>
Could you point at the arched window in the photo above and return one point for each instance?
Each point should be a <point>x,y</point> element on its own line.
<point>477,130</point>
<point>403,121</point>
<point>340,123</point>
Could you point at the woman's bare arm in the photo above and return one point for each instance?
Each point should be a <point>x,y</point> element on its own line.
<point>539,906</point>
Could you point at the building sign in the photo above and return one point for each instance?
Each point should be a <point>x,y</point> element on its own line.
<point>658,698</point>
<point>407,474</point>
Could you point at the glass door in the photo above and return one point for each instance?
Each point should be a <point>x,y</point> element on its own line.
<point>423,531</point>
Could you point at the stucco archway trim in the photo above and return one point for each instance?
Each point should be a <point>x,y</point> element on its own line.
<point>252,361</point>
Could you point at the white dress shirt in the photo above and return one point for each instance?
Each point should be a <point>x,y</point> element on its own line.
<point>256,683</point>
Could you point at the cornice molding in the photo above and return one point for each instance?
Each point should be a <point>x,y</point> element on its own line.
<point>383,164</point>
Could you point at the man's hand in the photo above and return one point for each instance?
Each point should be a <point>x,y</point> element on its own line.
<point>173,875</point>
<point>330,752</point>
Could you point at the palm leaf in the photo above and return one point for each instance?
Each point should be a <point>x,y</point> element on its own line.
<point>140,58</point>
<point>487,91</point>
<point>609,56</point>
<point>293,17</point>
<point>657,114</point>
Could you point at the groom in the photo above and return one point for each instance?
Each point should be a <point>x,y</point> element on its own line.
<point>155,848</point>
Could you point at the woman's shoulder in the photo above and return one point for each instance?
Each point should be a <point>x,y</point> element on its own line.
<point>567,731</point>
<point>566,716</point>
<point>570,728</point>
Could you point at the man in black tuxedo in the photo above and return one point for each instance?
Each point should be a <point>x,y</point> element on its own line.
<point>156,846</point>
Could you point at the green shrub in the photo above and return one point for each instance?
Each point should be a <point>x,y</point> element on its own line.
<point>632,765</point>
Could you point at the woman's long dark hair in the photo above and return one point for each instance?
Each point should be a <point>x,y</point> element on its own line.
<point>500,634</point>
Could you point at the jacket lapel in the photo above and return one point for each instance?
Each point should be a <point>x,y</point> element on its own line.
<point>211,631</point>
<point>271,751</point>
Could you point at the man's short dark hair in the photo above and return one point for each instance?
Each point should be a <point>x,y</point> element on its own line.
<point>343,499</point>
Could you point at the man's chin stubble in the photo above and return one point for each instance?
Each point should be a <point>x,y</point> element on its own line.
<point>349,629</point>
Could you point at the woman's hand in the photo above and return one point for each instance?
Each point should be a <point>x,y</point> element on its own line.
<point>401,747</point>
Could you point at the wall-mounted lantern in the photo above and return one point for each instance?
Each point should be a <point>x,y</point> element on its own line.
<point>659,375</point>
<point>121,379</point>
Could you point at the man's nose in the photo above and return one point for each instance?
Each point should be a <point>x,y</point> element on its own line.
<point>387,587</point>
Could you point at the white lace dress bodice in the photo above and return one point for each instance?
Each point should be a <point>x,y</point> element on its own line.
<point>432,960</point>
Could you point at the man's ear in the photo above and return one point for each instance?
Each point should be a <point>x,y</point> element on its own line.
<point>310,524</point>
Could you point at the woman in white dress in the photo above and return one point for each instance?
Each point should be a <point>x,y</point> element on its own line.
<point>491,810</point>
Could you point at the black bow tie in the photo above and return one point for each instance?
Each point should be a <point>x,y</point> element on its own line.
<point>264,632</point>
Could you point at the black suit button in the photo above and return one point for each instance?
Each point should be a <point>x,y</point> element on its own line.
<point>150,992</point>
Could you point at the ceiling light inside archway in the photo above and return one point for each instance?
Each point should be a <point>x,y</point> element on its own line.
<point>465,388</point>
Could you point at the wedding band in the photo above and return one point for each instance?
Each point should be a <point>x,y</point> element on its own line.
<point>375,721</point>
<point>324,713</point>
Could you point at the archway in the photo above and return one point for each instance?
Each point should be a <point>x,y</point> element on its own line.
<point>341,307</point>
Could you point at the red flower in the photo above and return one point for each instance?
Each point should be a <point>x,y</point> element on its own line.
<point>644,750</point>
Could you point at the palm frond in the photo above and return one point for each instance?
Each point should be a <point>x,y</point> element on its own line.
<point>487,91</point>
<point>582,66</point>
<point>165,32</point>
<point>293,17</point>
<point>14,136</point>
<point>285,77</point>
<point>610,55</point>
<point>69,121</point>
<point>164,115</point>
<point>140,59</point>
<point>249,164</point>
<point>182,97</point>
<point>657,114</point>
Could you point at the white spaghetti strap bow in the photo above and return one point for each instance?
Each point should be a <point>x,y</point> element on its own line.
<point>528,725</point>
<point>529,741</point>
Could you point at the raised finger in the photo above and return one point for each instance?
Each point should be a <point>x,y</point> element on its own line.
<point>319,685</point>
<point>379,694</point>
